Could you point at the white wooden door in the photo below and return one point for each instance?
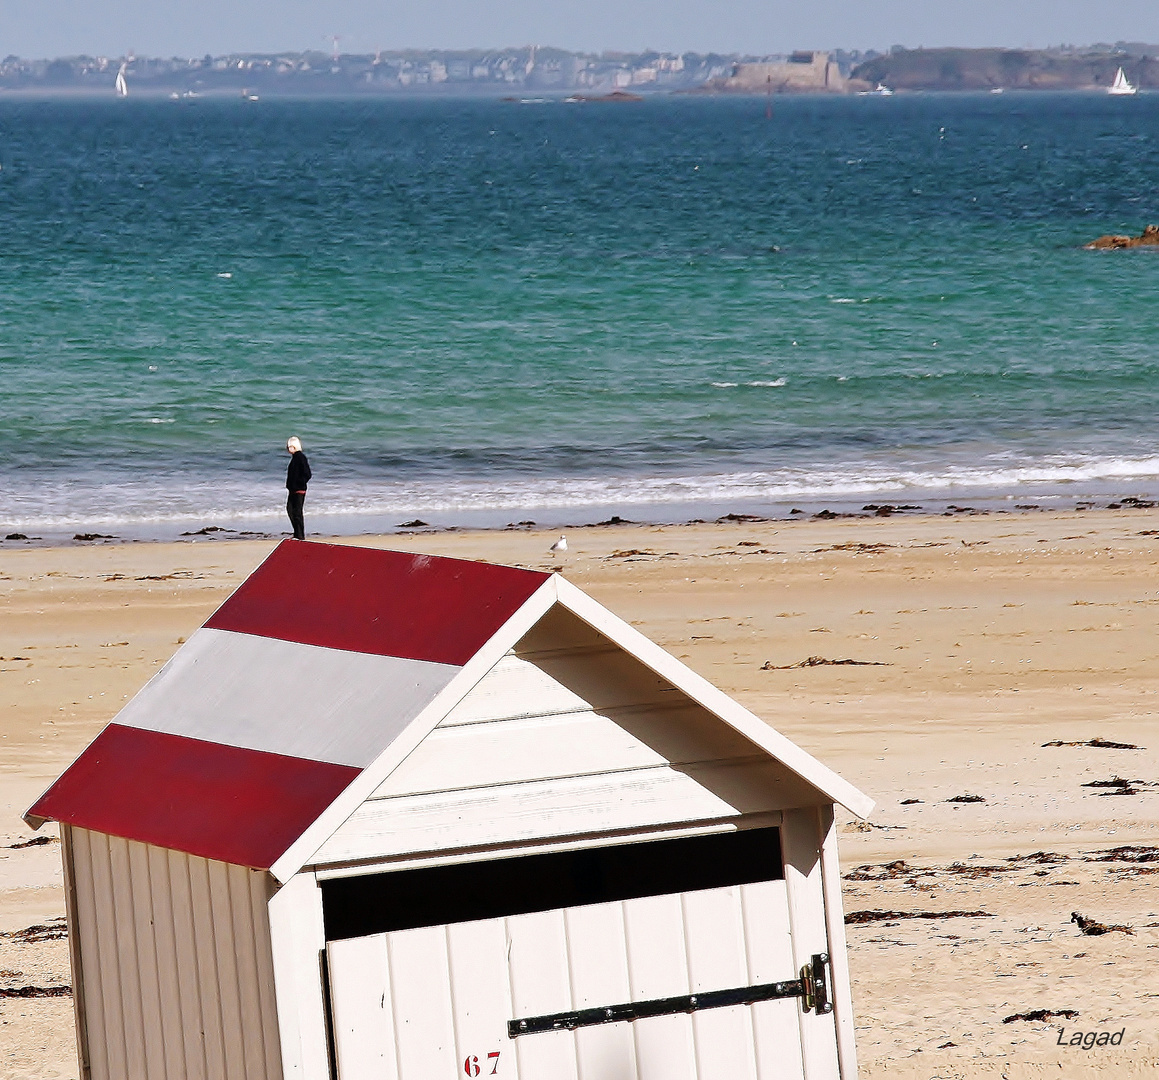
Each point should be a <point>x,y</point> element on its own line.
<point>433,1003</point>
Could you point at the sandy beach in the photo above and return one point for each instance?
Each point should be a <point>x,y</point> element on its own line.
<point>977,640</point>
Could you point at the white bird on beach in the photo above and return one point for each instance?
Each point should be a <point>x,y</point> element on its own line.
<point>559,547</point>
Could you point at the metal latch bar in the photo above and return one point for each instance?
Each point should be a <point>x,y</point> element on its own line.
<point>812,988</point>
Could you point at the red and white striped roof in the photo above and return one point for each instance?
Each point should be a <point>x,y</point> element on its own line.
<point>293,687</point>
<point>311,684</point>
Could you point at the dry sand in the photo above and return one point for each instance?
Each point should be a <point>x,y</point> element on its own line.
<point>994,634</point>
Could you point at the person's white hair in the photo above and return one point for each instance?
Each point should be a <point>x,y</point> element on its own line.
<point>293,444</point>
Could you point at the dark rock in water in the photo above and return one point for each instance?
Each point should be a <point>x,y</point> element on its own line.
<point>613,97</point>
<point>418,523</point>
<point>1115,242</point>
<point>93,536</point>
<point>206,531</point>
<point>520,524</point>
<point>16,536</point>
<point>615,519</point>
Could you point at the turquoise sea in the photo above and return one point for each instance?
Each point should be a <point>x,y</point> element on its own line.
<point>485,312</point>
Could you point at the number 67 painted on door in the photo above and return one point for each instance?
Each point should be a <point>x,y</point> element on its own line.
<point>471,1065</point>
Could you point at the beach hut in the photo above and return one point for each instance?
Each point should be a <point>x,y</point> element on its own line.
<point>393,817</point>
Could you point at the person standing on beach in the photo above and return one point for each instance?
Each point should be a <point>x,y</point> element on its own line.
<point>297,477</point>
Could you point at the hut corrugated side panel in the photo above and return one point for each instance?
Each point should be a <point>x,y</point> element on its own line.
<point>172,965</point>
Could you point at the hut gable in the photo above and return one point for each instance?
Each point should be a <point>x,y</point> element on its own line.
<point>350,704</point>
<point>568,734</point>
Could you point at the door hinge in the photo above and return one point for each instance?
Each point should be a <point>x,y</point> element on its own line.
<point>813,988</point>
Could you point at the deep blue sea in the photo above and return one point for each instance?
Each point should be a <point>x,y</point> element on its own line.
<point>483,312</point>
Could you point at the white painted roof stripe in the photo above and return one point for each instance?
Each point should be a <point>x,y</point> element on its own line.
<point>283,697</point>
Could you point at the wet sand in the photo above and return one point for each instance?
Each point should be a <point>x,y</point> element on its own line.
<point>978,639</point>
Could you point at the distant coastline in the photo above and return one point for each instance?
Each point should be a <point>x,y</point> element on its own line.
<point>1091,68</point>
<point>546,70</point>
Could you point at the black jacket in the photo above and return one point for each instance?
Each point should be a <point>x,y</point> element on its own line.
<point>298,474</point>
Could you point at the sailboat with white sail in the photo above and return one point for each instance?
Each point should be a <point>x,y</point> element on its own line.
<point>1121,86</point>
<point>122,87</point>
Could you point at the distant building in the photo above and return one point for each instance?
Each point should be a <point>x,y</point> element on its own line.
<point>800,72</point>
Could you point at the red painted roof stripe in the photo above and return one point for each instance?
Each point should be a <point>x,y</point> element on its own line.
<point>239,806</point>
<point>391,603</point>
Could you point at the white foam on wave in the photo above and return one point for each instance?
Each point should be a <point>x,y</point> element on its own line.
<point>161,501</point>
<point>767,382</point>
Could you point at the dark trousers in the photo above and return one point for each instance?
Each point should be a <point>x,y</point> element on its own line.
<point>294,504</point>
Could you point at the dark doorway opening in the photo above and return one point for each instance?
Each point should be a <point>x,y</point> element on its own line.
<point>465,892</point>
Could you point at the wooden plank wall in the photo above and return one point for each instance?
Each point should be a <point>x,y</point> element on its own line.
<point>298,940</point>
<point>801,840</point>
<point>175,969</point>
<point>838,952</point>
<point>568,735</point>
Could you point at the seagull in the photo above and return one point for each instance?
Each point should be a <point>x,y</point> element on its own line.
<point>559,546</point>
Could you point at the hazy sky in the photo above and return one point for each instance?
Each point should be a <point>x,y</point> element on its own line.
<point>39,28</point>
